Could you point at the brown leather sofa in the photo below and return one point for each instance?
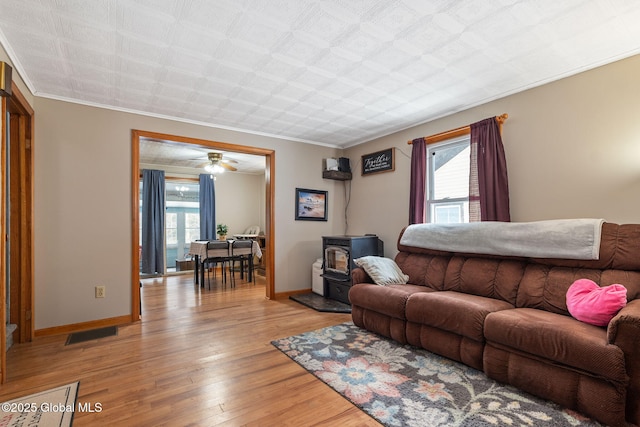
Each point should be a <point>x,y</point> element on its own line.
<point>508,317</point>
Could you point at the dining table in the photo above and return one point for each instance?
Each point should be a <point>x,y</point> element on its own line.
<point>198,249</point>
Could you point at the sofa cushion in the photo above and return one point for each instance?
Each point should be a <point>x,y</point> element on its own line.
<point>557,338</point>
<point>455,312</point>
<point>485,277</point>
<point>383,271</point>
<point>593,304</point>
<point>388,300</point>
<point>545,287</point>
<point>423,269</point>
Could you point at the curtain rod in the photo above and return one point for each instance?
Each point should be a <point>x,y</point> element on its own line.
<point>457,132</point>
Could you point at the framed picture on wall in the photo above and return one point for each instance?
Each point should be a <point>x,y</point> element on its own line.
<point>311,205</point>
<point>380,161</point>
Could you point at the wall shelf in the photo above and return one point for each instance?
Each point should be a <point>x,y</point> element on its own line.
<point>337,175</point>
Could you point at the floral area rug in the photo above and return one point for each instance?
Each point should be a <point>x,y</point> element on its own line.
<point>406,386</point>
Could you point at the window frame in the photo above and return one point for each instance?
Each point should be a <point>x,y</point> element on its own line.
<point>430,202</point>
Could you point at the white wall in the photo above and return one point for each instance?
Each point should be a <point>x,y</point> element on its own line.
<point>82,203</point>
<point>572,148</point>
<point>240,201</point>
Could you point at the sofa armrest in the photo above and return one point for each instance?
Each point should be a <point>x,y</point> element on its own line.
<point>624,328</point>
<point>624,332</point>
<point>358,275</point>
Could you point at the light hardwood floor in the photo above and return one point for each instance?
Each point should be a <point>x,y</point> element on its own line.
<point>199,357</point>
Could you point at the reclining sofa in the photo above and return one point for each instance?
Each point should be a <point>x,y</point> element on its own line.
<point>507,315</point>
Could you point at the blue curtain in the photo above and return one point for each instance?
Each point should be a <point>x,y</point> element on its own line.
<point>207,208</point>
<point>153,207</point>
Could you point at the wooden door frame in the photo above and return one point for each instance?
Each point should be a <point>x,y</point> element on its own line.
<point>21,192</point>
<point>223,146</point>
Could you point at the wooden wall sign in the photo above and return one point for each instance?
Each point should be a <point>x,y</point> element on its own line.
<point>380,161</point>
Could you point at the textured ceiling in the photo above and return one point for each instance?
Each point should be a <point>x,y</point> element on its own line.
<point>334,72</point>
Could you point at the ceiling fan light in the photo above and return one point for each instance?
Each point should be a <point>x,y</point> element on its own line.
<point>214,169</point>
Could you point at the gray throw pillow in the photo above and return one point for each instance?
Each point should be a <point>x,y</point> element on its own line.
<point>383,271</point>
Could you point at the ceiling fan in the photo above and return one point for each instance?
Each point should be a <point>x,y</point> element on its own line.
<point>217,163</point>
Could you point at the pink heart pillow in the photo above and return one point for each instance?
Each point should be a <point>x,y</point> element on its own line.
<point>593,304</point>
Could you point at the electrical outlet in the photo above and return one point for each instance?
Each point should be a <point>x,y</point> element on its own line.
<point>100,291</point>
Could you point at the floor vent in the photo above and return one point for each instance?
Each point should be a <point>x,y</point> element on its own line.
<point>92,334</point>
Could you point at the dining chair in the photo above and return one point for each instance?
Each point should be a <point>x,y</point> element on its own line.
<point>242,251</point>
<point>198,272</point>
<point>217,252</point>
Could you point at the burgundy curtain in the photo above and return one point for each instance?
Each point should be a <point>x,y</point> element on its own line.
<point>418,181</point>
<point>488,183</point>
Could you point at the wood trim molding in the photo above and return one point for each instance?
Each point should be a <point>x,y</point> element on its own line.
<point>3,275</point>
<point>135,226</point>
<point>83,326</point>
<point>270,232</point>
<point>21,102</point>
<point>224,146</point>
<point>21,155</point>
<point>287,294</point>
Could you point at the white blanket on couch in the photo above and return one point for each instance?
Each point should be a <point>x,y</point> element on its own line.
<point>563,238</point>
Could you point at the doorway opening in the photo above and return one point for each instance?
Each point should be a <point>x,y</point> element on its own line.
<point>269,162</point>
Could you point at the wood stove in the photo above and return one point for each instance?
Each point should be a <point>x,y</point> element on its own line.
<point>338,255</point>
